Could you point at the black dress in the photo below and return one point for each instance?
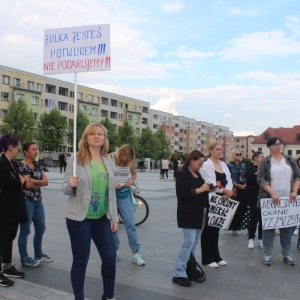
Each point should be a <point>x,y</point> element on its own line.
<point>210,237</point>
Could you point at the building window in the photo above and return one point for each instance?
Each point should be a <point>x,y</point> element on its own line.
<point>129,117</point>
<point>97,99</point>
<point>120,116</point>
<point>298,137</point>
<point>104,101</point>
<point>114,102</point>
<point>237,146</point>
<point>266,136</point>
<point>5,79</point>
<point>62,106</point>
<point>16,82</point>
<point>121,104</point>
<point>83,109</point>
<point>39,87</point>
<point>35,116</point>
<point>259,149</point>
<point>290,152</point>
<point>104,113</point>
<point>94,111</point>
<point>19,97</point>
<point>237,140</point>
<point>4,96</point>
<point>30,85</point>
<point>137,130</point>
<point>34,100</point>
<point>79,96</point>
<point>89,98</point>
<point>49,103</point>
<point>126,106</point>
<point>71,94</point>
<point>3,112</point>
<point>297,152</point>
<point>242,146</point>
<point>63,91</point>
<point>133,108</point>
<point>50,89</point>
<point>71,107</point>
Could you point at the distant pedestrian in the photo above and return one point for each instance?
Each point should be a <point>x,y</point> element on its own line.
<point>175,166</point>
<point>12,206</point>
<point>62,161</point>
<point>165,167</point>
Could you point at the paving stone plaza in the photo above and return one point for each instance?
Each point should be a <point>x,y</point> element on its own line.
<point>245,277</point>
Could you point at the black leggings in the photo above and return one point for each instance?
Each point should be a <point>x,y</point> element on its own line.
<point>255,218</point>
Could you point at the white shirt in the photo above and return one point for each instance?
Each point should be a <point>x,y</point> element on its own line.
<point>281,174</point>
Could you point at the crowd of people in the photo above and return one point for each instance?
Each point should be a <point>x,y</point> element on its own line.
<point>104,185</point>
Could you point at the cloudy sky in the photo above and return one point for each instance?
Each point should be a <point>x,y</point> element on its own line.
<point>234,63</point>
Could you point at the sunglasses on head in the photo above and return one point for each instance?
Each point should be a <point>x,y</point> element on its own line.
<point>238,154</point>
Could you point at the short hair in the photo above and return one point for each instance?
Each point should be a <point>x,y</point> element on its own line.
<point>272,141</point>
<point>194,155</point>
<point>232,154</point>
<point>84,155</point>
<point>126,150</point>
<point>255,154</point>
<point>211,147</point>
<point>6,141</point>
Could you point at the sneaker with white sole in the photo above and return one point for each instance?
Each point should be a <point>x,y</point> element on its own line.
<point>4,281</point>
<point>234,232</point>
<point>289,260</point>
<point>296,231</point>
<point>44,258</point>
<point>213,265</point>
<point>13,272</point>
<point>118,255</point>
<point>222,263</point>
<point>260,244</point>
<point>30,262</point>
<point>251,244</point>
<point>267,261</point>
<point>137,259</point>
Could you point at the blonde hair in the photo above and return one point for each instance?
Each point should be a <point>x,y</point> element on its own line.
<point>84,155</point>
<point>125,150</point>
<point>211,147</point>
<point>232,154</point>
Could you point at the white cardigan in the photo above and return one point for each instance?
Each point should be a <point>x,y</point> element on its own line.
<point>208,174</point>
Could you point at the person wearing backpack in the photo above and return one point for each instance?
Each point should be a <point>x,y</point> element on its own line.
<point>192,201</point>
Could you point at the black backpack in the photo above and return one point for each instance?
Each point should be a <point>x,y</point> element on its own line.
<point>194,271</point>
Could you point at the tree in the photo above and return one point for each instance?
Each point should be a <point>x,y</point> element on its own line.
<point>82,122</point>
<point>51,130</point>
<point>148,146</point>
<point>18,121</point>
<point>163,144</point>
<point>112,135</point>
<point>127,136</point>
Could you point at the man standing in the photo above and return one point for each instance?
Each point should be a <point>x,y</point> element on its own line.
<point>62,161</point>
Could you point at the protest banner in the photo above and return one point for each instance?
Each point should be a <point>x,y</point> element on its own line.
<point>285,214</point>
<point>77,49</point>
<point>221,212</point>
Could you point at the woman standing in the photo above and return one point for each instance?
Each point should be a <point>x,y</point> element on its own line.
<point>297,160</point>
<point>192,199</point>
<point>252,193</point>
<point>92,213</point>
<point>278,176</point>
<point>35,178</point>
<point>165,167</point>
<point>214,170</point>
<point>237,171</point>
<point>125,174</point>
<point>12,206</point>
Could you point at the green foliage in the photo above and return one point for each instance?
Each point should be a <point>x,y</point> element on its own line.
<point>18,121</point>
<point>163,144</point>
<point>246,161</point>
<point>148,144</point>
<point>82,122</point>
<point>127,136</point>
<point>51,130</point>
<point>112,135</point>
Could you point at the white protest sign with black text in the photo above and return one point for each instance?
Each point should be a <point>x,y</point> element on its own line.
<point>285,214</point>
<point>77,49</point>
<point>221,212</point>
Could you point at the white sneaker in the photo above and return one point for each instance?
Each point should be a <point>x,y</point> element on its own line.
<point>251,244</point>
<point>222,263</point>
<point>213,265</point>
<point>277,232</point>
<point>296,231</point>
<point>260,244</point>
<point>118,255</point>
<point>234,233</point>
<point>137,259</point>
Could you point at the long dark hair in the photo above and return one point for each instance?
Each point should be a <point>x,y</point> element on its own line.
<point>6,141</point>
<point>25,147</point>
<point>194,155</point>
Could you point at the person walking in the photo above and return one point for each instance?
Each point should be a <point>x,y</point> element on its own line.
<point>12,206</point>
<point>192,205</point>
<point>252,190</point>
<point>92,213</point>
<point>175,167</point>
<point>278,176</point>
<point>35,179</point>
<point>125,174</point>
<point>62,161</point>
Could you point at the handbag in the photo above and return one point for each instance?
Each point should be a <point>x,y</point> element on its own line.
<point>194,271</point>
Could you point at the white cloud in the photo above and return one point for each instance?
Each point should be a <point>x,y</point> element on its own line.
<point>173,7</point>
<point>260,45</point>
<point>167,104</point>
<point>244,133</point>
<point>239,11</point>
<point>183,53</point>
<point>293,23</point>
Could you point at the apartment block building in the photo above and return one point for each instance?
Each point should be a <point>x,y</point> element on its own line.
<point>43,93</point>
<point>244,145</point>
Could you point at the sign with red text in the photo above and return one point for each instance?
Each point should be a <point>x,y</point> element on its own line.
<point>221,212</point>
<point>284,214</point>
<point>77,49</point>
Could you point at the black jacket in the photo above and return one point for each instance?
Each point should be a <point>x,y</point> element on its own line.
<point>252,187</point>
<point>12,200</point>
<point>190,205</point>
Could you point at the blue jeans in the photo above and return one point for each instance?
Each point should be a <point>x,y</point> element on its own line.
<point>81,233</point>
<point>125,207</point>
<point>35,214</point>
<point>190,243</point>
<point>285,240</point>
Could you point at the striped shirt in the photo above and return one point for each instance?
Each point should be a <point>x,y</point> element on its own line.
<point>122,174</point>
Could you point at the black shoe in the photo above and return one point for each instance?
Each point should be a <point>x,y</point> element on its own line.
<point>13,272</point>
<point>183,281</point>
<point>4,281</point>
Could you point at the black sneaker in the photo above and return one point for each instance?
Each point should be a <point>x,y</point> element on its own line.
<point>4,281</point>
<point>13,272</point>
<point>183,281</point>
